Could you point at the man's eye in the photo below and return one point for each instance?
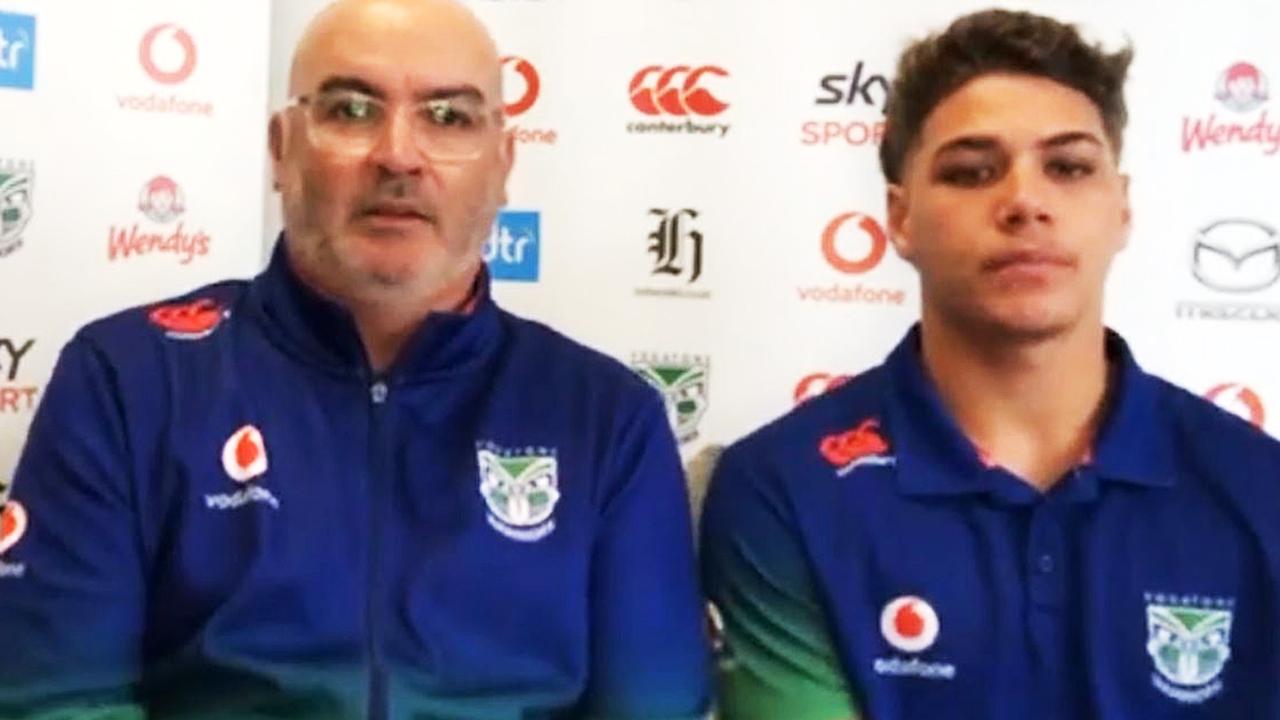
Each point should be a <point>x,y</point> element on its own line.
<point>351,109</point>
<point>1069,169</point>
<point>967,175</point>
<point>446,114</point>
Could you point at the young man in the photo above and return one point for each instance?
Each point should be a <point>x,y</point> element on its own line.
<point>1009,518</point>
<point>354,487</point>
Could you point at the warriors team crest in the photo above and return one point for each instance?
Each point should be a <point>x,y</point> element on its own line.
<point>1189,640</point>
<point>683,382</point>
<point>520,488</point>
<point>17,183</point>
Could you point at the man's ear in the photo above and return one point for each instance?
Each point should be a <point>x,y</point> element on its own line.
<point>899,211</point>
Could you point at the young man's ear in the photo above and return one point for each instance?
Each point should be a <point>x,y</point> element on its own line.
<point>899,210</point>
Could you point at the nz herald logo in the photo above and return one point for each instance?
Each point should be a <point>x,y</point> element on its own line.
<point>684,381</point>
<point>514,245</point>
<point>521,488</point>
<point>1189,641</point>
<point>1242,89</point>
<point>17,184</point>
<point>162,202</point>
<point>13,525</point>
<point>244,460</point>
<point>862,446</point>
<point>910,625</point>
<point>675,247</point>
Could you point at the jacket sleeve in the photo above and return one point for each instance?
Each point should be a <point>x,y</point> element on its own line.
<point>777,659</point>
<point>71,583</point>
<point>649,650</point>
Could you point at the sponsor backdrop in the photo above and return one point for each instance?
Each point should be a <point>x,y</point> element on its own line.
<point>696,189</point>
<point>131,146</point>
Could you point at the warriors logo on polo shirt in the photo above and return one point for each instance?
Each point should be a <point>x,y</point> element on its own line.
<point>520,488</point>
<point>1189,640</point>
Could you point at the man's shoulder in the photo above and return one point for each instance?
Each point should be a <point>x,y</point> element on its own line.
<point>189,317</point>
<point>1219,446</point>
<point>542,354</point>
<point>802,429</point>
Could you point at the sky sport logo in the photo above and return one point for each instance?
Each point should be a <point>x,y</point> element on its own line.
<point>168,57</point>
<point>16,396</point>
<point>161,201</point>
<point>1237,260</point>
<point>681,92</point>
<point>1242,89</point>
<point>522,86</point>
<point>853,244</point>
<point>860,89</point>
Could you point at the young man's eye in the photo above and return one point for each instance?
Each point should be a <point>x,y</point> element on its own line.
<point>1069,169</point>
<point>967,174</point>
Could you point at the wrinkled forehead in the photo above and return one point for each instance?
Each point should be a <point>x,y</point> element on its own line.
<point>399,52</point>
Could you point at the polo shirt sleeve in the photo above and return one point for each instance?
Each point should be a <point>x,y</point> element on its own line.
<point>778,659</point>
<point>649,653</point>
<point>72,596</point>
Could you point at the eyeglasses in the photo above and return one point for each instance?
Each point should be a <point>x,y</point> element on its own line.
<point>353,123</point>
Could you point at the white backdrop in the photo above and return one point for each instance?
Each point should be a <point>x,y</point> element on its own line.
<point>135,157</point>
<point>696,190</point>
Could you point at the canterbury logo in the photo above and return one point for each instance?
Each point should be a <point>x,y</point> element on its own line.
<point>656,90</point>
<point>863,445</point>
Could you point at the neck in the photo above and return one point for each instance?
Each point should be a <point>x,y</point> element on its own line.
<point>385,325</point>
<point>1033,407</point>
<point>387,318</point>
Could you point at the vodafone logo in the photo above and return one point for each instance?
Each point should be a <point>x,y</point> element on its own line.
<point>815,384</point>
<point>528,79</point>
<point>168,54</point>
<point>909,624</point>
<point>677,90</point>
<point>854,243</point>
<point>13,525</point>
<point>244,456</point>
<point>1239,400</point>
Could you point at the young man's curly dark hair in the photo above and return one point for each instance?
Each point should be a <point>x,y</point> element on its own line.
<point>998,41</point>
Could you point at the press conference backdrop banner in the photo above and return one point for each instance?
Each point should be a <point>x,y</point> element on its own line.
<point>695,191</point>
<point>131,155</point>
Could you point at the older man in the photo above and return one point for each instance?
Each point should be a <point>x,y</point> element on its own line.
<point>354,487</point>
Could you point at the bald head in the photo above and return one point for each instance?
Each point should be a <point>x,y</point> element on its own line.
<point>420,44</point>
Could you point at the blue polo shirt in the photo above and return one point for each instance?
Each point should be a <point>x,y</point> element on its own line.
<point>866,562</point>
<point>221,512</point>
